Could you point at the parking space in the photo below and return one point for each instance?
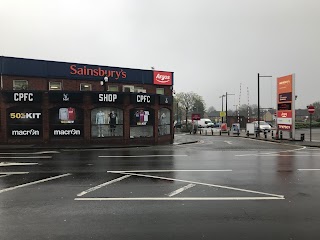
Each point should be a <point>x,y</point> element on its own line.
<point>219,181</point>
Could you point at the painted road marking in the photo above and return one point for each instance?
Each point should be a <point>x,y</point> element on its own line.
<point>229,142</point>
<point>141,156</point>
<point>102,185</point>
<point>13,173</point>
<point>30,153</point>
<point>199,183</point>
<point>180,190</point>
<point>6,175</point>
<point>28,157</point>
<point>182,199</point>
<point>315,169</point>
<point>36,182</point>
<point>158,171</point>
<point>270,153</point>
<point>6,164</point>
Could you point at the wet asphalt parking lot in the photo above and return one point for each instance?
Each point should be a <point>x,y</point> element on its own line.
<point>219,188</point>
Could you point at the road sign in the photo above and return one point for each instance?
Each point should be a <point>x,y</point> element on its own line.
<point>311,109</point>
<point>222,114</point>
<point>196,116</point>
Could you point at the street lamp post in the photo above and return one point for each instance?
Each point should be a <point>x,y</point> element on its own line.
<point>104,83</point>
<point>230,94</point>
<point>222,96</point>
<point>258,129</point>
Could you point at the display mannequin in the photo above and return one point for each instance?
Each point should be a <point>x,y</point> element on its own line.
<point>112,122</point>
<point>100,121</point>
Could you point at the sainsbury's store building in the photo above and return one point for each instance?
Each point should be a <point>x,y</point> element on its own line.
<point>56,102</point>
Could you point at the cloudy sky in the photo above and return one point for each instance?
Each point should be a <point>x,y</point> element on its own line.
<point>211,46</point>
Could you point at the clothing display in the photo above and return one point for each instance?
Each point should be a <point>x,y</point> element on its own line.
<point>67,115</point>
<point>100,118</point>
<point>146,116</point>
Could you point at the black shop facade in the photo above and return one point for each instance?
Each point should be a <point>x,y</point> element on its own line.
<point>129,113</point>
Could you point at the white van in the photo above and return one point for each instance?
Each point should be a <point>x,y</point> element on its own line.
<point>205,123</point>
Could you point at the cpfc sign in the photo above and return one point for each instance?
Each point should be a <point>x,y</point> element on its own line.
<point>23,97</point>
<point>162,78</point>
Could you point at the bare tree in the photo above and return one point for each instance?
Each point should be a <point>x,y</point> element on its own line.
<point>190,102</point>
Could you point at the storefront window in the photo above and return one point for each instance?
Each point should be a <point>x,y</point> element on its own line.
<point>55,86</point>
<point>20,84</point>
<point>160,91</point>
<point>85,87</point>
<point>113,88</point>
<point>164,121</point>
<point>141,122</point>
<point>66,122</point>
<point>106,122</point>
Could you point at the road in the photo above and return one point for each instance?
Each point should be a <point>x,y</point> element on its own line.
<point>218,188</point>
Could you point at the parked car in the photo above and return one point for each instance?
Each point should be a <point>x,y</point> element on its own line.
<point>205,123</point>
<point>263,126</point>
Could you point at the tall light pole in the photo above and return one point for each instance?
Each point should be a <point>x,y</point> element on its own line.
<point>222,96</point>
<point>258,129</point>
<point>230,94</point>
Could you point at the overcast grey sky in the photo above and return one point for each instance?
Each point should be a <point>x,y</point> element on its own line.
<point>211,46</point>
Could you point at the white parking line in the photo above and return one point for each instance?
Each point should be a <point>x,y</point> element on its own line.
<point>32,183</point>
<point>180,190</point>
<point>159,171</point>
<point>29,153</point>
<point>182,199</point>
<point>200,183</point>
<point>6,175</point>
<point>102,185</point>
<point>13,173</point>
<point>315,169</point>
<point>27,157</point>
<point>142,156</point>
<point>6,164</point>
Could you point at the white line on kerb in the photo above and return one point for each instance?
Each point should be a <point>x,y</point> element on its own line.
<point>314,169</point>
<point>182,199</point>
<point>141,156</point>
<point>5,164</point>
<point>102,185</point>
<point>199,183</point>
<point>32,183</point>
<point>180,190</point>
<point>159,171</point>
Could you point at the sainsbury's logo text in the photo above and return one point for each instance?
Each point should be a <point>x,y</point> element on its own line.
<point>84,71</point>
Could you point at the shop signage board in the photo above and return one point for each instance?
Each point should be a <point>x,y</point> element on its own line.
<point>23,96</point>
<point>162,78</point>
<point>142,98</point>
<point>102,97</point>
<point>51,69</point>
<point>165,100</point>
<point>286,103</point>
<point>65,97</point>
<point>24,122</point>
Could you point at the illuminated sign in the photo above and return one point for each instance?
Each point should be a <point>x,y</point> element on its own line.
<point>162,78</point>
